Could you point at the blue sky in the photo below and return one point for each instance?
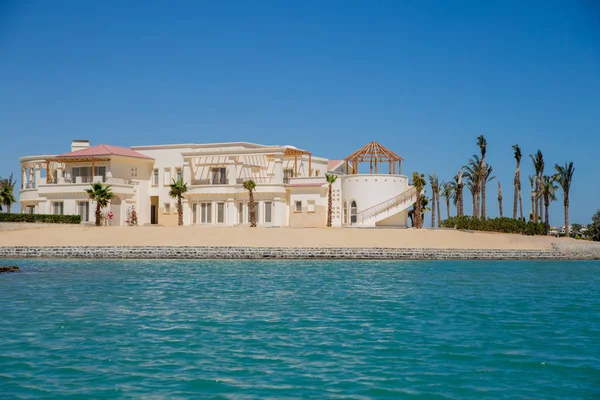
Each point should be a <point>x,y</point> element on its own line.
<point>423,78</point>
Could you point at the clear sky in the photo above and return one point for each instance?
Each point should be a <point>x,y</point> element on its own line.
<point>423,78</point>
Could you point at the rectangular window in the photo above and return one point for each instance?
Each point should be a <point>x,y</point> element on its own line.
<point>167,208</point>
<point>219,176</point>
<point>220,213</point>
<point>287,174</point>
<point>57,207</point>
<point>241,212</point>
<point>30,209</point>
<point>179,176</point>
<point>167,176</point>
<point>155,177</point>
<point>205,213</point>
<point>194,213</point>
<point>83,209</point>
<point>311,206</point>
<point>268,212</point>
<point>298,206</point>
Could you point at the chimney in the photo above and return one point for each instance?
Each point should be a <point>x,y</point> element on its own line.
<point>80,145</point>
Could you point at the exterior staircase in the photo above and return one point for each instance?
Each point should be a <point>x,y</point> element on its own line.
<point>370,216</point>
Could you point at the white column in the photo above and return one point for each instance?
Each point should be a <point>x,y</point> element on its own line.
<point>187,174</point>
<point>23,177</point>
<point>231,212</point>
<point>187,211</point>
<point>30,181</point>
<point>231,174</point>
<point>278,170</point>
<point>38,175</point>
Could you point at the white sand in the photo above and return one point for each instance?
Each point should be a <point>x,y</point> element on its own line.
<point>65,235</point>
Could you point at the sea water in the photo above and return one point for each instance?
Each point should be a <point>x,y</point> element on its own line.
<point>300,329</point>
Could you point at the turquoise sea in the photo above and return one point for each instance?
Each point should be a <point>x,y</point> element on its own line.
<point>73,329</point>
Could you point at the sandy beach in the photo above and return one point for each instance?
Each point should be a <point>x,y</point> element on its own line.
<point>65,235</point>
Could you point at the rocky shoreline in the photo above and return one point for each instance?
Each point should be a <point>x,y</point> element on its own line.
<point>560,251</point>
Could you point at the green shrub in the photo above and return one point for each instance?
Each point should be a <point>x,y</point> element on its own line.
<point>41,218</point>
<point>503,225</point>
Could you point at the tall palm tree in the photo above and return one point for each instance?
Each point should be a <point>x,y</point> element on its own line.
<point>548,193</point>
<point>472,174</point>
<point>482,143</point>
<point>531,182</point>
<point>447,193</point>
<point>7,192</point>
<point>330,180</point>
<point>500,199</point>
<point>419,183</point>
<point>178,189</point>
<point>517,181</point>
<point>102,195</point>
<point>564,177</point>
<point>435,194</point>
<point>459,193</point>
<point>538,165</point>
<point>249,185</point>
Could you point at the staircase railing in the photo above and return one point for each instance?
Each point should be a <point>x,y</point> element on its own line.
<point>367,213</point>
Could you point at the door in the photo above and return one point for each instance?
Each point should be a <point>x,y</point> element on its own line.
<point>153,216</point>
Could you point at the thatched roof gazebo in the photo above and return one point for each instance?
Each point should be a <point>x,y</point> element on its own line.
<point>374,154</point>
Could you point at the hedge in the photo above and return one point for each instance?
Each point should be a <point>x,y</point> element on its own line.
<point>504,225</point>
<point>42,218</point>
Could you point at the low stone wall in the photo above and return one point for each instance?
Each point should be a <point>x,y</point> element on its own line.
<point>206,252</point>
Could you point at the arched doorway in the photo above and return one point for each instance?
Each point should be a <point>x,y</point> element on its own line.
<point>353,212</point>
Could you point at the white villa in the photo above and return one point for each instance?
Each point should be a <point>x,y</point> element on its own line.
<point>291,188</point>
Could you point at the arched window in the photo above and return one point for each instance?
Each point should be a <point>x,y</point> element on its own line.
<point>353,212</point>
<point>345,212</point>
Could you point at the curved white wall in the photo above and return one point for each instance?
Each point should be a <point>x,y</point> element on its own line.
<point>369,190</point>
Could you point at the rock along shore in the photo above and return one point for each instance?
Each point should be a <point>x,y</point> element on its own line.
<point>239,252</point>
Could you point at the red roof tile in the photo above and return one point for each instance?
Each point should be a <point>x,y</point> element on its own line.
<point>105,150</point>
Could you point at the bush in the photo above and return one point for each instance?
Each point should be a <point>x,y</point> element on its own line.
<point>41,218</point>
<point>503,225</point>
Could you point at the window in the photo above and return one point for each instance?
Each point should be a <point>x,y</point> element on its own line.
<point>268,212</point>
<point>30,209</point>
<point>353,212</point>
<point>317,172</point>
<point>298,206</point>
<point>205,213</point>
<point>219,176</point>
<point>83,209</point>
<point>155,177</point>
<point>178,174</point>
<point>220,213</point>
<point>167,176</point>
<point>57,207</point>
<point>287,174</point>
<point>241,212</point>
<point>345,213</point>
<point>311,206</point>
<point>86,173</point>
<point>194,213</point>
<point>167,208</point>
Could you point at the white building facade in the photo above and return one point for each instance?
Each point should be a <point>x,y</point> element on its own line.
<point>291,186</point>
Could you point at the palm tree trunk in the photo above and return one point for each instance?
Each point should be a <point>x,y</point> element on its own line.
<point>98,214</point>
<point>417,212</point>
<point>521,202</point>
<point>448,206</point>
<point>482,204</point>
<point>8,208</point>
<point>439,216</point>
<point>515,199</point>
<point>547,203</point>
<point>533,205</point>
<point>252,208</point>
<point>475,212</point>
<point>500,199</point>
<point>179,212</point>
<point>433,210</point>
<point>329,206</point>
<point>567,216</point>
<point>534,201</point>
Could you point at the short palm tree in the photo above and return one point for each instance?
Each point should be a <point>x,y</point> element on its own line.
<point>531,182</point>
<point>102,195</point>
<point>472,174</point>
<point>249,185</point>
<point>548,194</point>
<point>419,183</point>
<point>517,182</point>
<point>330,181</point>
<point>435,194</point>
<point>564,177</point>
<point>178,189</point>
<point>7,192</point>
<point>459,193</point>
<point>500,199</point>
<point>482,143</point>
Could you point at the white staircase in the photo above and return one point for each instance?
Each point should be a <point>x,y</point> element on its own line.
<point>387,208</point>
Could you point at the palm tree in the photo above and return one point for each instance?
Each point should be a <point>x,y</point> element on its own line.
<point>548,194</point>
<point>424,203</point>
<point>517,181</point>
<point>482,143</point>
<point>330,180</point>
<point>564,177</point>
<point>538,165</point>
<point>249,185</point>
<point>178,189</point>
<point>531,180</point>
<point>101,194</point>
<point>7,192</point>
<point>447,193</point>
<point>435,194</point>
<point>472,173</point>
<point>459,193</point>
<point>419,183</point>
<point>500,199</point>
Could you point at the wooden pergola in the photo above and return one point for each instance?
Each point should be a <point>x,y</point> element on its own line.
<point>290,151</point>
<point>64,160</point>
<point>375,154</point>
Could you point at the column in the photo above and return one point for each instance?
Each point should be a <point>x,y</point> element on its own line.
<point>23,177</point>
<point>38,174</point>
<point>278,170</point>
<point>187,173</point>
<point>30,182</point>
<point>231,174</point>
<point>230,212</point>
